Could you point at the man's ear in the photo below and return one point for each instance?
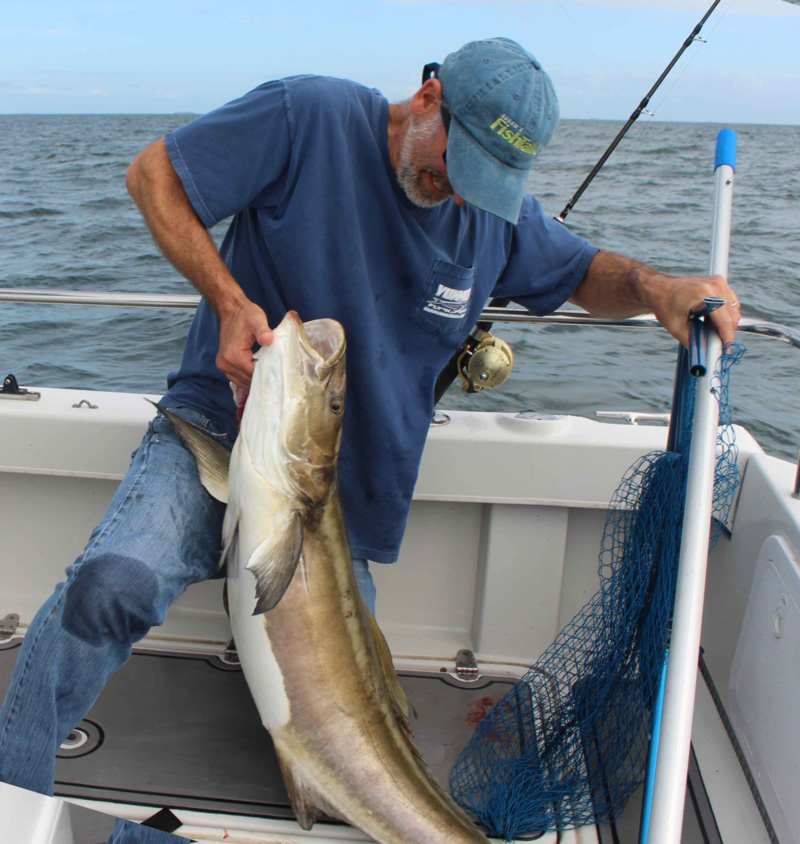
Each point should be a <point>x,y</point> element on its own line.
<point>426,101</point>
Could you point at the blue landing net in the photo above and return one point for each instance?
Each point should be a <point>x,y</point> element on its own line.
<point>567,745</point>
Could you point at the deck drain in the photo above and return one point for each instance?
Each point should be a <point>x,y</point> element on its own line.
<point>84,739</point>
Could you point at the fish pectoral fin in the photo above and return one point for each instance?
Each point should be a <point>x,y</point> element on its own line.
<point>212,458</point>
<point>402,706</point>
<point>307,803</point>
<point>274,561</point>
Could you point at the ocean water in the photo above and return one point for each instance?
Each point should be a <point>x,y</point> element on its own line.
<point>66,222</point>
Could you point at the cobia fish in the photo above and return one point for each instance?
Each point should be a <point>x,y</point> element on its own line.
<point>316,662</point>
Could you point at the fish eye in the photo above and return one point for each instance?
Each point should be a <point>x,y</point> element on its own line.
<point>337,406</point>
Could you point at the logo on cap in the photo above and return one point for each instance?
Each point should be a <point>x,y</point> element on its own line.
<point>513,133</point>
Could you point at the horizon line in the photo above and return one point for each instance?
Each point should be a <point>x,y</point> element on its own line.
<point>652,119</point>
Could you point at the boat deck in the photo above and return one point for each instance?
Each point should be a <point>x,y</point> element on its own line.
<point>181,731</point>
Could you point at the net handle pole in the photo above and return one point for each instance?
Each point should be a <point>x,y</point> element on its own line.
<point>652,756</point>
<point>669,790</point>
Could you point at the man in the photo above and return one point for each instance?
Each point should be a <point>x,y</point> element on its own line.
<point>398,220</point>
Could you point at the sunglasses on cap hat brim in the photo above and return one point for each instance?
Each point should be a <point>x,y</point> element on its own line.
<point>431,71</point>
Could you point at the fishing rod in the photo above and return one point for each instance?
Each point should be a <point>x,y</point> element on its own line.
<point>637,112</point>
<point>479,352</point>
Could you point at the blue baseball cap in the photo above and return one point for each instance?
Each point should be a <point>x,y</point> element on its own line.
<point>504,111</point>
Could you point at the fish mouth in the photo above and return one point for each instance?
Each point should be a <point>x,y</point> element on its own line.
<point>322,340</point>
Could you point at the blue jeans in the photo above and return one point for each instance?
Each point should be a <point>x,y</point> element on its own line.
<point>160,534</point>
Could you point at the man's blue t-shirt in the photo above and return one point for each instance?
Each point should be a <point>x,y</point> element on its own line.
<point>321,225</point>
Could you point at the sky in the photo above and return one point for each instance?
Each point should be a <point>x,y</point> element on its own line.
<point>177,56</point>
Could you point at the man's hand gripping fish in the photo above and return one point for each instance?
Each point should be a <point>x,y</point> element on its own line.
<point>316,662</point>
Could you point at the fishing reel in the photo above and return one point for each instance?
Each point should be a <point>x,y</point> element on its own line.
<point>485,362</point>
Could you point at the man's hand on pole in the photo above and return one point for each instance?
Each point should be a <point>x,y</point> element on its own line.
<point>682,296</point>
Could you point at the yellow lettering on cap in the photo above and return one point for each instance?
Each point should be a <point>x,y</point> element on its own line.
<point>503,126</point>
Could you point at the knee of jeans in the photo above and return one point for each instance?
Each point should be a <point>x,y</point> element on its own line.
<point>112,599</point>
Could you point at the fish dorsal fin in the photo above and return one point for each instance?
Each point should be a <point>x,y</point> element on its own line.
<point>403,707</point>
<point>274,561</point>
<point>307,803</point>
<point>212,458</point>
<point>404,710</point>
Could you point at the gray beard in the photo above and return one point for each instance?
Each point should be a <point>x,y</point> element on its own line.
<point>419,135</point>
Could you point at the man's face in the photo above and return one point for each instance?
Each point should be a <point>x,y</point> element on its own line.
<point>421,169</point>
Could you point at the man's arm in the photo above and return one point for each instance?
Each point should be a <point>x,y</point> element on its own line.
<point>182,237</point>
<point>618,287</point>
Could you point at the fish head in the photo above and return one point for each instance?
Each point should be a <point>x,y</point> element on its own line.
<point>299,386</point>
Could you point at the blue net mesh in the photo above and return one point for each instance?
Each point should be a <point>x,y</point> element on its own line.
<point>567,745</point>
